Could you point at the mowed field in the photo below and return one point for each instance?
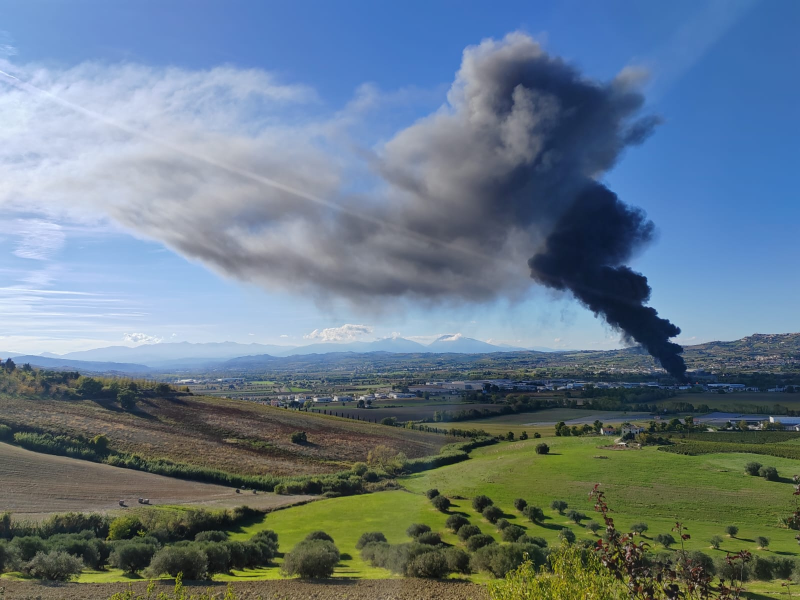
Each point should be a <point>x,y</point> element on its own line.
<point>232,435</point>
<point>36,484</point>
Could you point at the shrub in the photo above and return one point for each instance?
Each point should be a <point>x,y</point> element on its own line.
<point>593,526</point>
<point>239,555</point>
<point>172,560</point>
<point>542,448</point>
<point>499,560</point>
<point>566,535</point>
<point>762,542</point>
<point>359,468</point>
<point>456,522</point>
<point>28,546</point>
<point>502,524</point>
<point>9,557</point>
<point>752,468</point>
<point>299,437</point>
<point>54,566</point>
<point>665,539</point>
<point>124,528</point>
<point>559,505</point>
<point>520,504</point>
<point>432,493</point>
<point>218,555</point>
<point>537,435</point>
<point>534,514</point>
<point>769,473</point>
<point>715,542</point>
<point>732,570</point>
<point>318,535</point>
<point>467,531</point>
<point>512,533</point>
<point>417,529</point>
<point>492,514</point>
<point>311,559</point>
<point>479,503</point>
<point>368,538</point>
<point>479,541</point>
<point>576,517</point>
<point>762,568</point>
<point>535,540</point>
<point>432,565</point>
<point>211,536</point>
<point>441,503</point>
<point>85,546</point>
<point>732,530</point>
<point>457,561</point>
<point>639,528</point>
<point>429,537</point>
<point>370,476</point>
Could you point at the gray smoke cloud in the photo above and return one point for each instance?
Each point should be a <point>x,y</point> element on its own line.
<point>452,210</point>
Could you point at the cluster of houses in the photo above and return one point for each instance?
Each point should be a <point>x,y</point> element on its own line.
<point>623,429</point>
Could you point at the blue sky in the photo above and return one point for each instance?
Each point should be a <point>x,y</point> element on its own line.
<point>78,269</point>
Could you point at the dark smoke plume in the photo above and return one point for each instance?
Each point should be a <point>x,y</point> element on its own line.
<point>585,254</point>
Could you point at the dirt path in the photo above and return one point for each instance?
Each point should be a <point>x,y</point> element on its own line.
<point>388,589</point>
<point>34,484</point>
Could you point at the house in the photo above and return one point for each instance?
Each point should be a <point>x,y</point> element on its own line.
<point>608,431</point>
<point>342,398</point>
<point>322,399</point>
<point>634,429</point>
<point>397,395</point>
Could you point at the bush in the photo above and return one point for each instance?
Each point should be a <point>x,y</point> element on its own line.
<point>370,476</point>
<point>299,437</point>
<point>639,528</point>
<point>512,533</point>
<point>456,522</point>
<point>124,528</point>
<point>429,537</point>
<point>54,566</point>
<point>211,536</point>
<point>368,538</point>
<point>542,448</point>
<point>732,530</point>
<point>318,535</point>
<point>499,560</point>
<point>535,540</point>
<point>734,570</point>
<point>769,473</point>
<point>715,542</point>
<point>479,541</point>
<point>559,505</point>
<point>457,561</point>
<point>311,559</point>
<point>93,552</point>
<point>752,468</point>
<point>762,542</point>
<point>432,493</point>
<point>593,526</point>
<point>28,546</point>
<point>441,503</point>
<point>665,539</point>
<point>479,503</point>
<point>467,531</point>
<point>566,535</point>
<point>492,514</point>
<point>537,435</point>
<point>534,514</point>
<point>9,557</point>
<point>431,565</point>
<point>520,504</point>
<point>576,517</point>
<point>502,524</point>
<point>172,560</point>
<point>218,555</point>
<point>417,529</point>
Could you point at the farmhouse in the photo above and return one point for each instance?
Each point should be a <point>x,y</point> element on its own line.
<point>634,429</point>
<point>608,431</point>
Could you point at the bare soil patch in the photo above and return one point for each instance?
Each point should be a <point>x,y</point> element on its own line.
<point>386,589</point>
<point>34,484</point>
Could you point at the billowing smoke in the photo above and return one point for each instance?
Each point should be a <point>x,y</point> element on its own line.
<point>449,209</point>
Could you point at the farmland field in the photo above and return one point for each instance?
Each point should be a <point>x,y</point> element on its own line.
<point>404,410</point>
<point>231,435</point>
<point>34,484</point>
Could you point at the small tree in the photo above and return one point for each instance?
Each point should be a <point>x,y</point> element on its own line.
<point>429,565</point>
<point>492,514</point>
<point>566,535</point>
<point>467,531</point>
<point>479,541</point>
<point>441,503</point>
<point>456,522</point>
<point>432,493</point>
<point>542,448</point>
<point>54,566</point>
<point>639,528</point>
<point>132,557</point>
<point>311,559</point>
<point>127,398</point>
<point>369,538</point>
<point>665,539</point>
<point>732,530</point>
<point>417,529</point>
<point>752,468</point>
<point>762,542</point>
<point>593,526</point>
<point>523,435</point>
<point>481,502</point>
<point>769,473</point>
<point>520,504</point>
<point>429,538</point>
<point>172,560</point>
<point>559,505</point>
<point>502,524</point>
<point>536,435</point>
<point>299,437</point>
<point>715,541</point>
<point>512,533</point>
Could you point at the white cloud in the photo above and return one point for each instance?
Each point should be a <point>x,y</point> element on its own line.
<point>7,48</point>
<point>39,240</point>
<point>283,335</point>
<point>141,338</point>
<point>345,333</point>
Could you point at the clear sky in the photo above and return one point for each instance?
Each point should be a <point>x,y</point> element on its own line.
<point>85,262</point>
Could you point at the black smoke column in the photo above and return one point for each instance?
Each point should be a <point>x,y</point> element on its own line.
<point>586,254</point>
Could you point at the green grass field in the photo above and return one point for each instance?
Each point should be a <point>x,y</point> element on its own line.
<point>705,492</point>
